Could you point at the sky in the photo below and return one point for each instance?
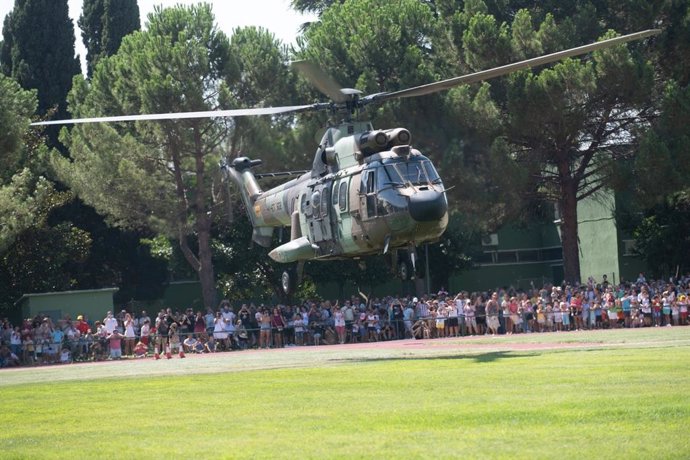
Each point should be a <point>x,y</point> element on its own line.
<point>274,15</point>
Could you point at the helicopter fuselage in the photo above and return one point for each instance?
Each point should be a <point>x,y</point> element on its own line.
<point>369,192</point>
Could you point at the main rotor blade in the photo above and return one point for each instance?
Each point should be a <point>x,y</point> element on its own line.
<point>256,111</point>
<point>321,80</point>
<point>502,70</point>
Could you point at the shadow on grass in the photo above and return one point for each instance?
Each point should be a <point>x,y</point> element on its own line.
<point>476,357</point>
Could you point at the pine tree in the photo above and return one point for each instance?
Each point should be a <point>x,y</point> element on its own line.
<point>38,50</point>
<point>103,24</point>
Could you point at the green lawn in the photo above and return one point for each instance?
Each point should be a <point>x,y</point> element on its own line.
<point>627,399</point>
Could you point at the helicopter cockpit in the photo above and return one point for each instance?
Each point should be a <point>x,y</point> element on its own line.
<point>395,184</point>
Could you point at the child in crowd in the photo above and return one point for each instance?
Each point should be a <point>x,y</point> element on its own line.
<point>140,350</point>
<point>27,349</point>
<point>115,339</point>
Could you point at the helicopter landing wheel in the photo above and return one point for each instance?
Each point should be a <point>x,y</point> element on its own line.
<point>404,270</point>
<point>288,281</point>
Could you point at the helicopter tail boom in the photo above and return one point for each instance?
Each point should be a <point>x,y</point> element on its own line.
<point>239,172</point>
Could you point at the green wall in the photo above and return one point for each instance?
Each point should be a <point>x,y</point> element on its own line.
<point>91,303</point>
<point>598,238</point>
<point>520,276</point>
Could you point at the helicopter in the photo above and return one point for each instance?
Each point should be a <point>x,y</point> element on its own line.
<point>369,191</point>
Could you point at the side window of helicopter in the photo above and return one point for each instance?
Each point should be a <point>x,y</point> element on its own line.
<point>316,203</point>
<point>305,205</point>
<point>371,182</point>
<point>334,196</point>
<point>370,188</point>
<point>342,196</point>
<point>325,201</point>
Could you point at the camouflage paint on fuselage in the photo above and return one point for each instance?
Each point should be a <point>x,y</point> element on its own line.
<point>356,200</point>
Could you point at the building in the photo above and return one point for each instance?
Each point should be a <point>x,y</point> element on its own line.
<point>522,257</point>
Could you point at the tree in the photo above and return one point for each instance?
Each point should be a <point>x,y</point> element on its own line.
<point>567,127</point>
<point>662,237</point>
<point>27,200</point>
<point>161,175</point>
<point>103,24</point>
<point>386,47</point>
<point>38,50</point>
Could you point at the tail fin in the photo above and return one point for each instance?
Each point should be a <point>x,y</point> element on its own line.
<point>239,171</point>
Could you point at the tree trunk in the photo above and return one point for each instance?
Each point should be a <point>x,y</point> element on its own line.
<point>207,276</point>
<point>569,232</point>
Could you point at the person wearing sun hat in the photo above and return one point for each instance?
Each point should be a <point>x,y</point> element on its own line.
<point>82,326</point>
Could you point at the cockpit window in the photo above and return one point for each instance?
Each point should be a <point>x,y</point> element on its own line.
<point>415,172</point>
<point>431,172</point>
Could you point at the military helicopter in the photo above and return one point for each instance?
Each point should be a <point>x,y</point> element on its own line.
<point>368,191</point>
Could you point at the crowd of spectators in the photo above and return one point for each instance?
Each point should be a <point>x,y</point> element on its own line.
<point>591,305</point>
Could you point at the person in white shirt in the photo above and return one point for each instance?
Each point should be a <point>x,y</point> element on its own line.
<point>110,322</point>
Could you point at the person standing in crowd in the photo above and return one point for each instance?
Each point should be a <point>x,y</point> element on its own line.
<point>185,326</point>
<point>162,328</point>
<point>220,333</point>
<point>210,320</point>
<point>110,322</point>
<point>492,308</point>
<point>139,322</point>
<point>452,322</point>
<point>82,326</point>
<point>16,341</point>
<point>130,336</point>
<point>645,305</point>
<point>397,319</point>
<point>264,320</point>
<point>298,324</point>
<point>339,323</point>
<point>145,332</point>
<point>408,319</point>
<point>480,314</point>
<point>278,325</point>
<point>199,324</point>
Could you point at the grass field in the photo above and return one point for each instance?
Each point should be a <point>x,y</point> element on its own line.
<point>611,394</point>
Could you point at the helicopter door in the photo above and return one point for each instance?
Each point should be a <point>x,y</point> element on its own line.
<point>341,209</point>
<point>367,196</point>
<point>326,212</point>
<point>315,218</point>
<point>320,225</point>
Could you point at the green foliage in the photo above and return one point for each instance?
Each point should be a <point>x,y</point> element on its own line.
<point>16,108</point>
<point>352,43</point>
<point>313,6</point>
<point>245,271</point>
<point>663,237</point>
<point>103,24</point>
<point>161,175</point>
<point>38,50</point>
<point>486,42</point>
<point>26,202</point>
<point>662,165</point>
<point>42,259</point>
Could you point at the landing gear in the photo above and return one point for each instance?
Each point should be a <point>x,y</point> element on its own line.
<point>405,263</point>
<point>403,270</point>
<point>291,277</point>
<point>288,281</point>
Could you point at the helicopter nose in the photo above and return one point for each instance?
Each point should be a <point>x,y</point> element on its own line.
<point>428,205</point>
